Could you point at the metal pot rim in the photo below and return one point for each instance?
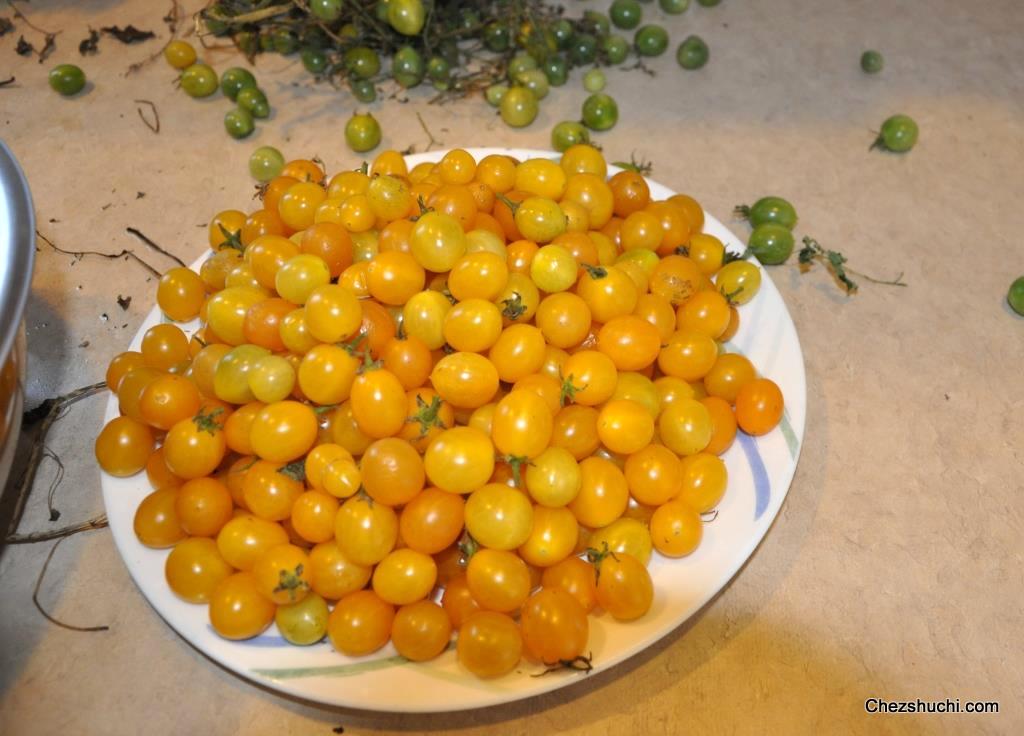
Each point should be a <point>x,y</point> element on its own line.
<point>17,247</point>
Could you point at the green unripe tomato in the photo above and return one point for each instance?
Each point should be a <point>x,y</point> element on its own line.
<point>495,94</point>
<point>583,49</point>
<point>497,37</point>
<point>535,81</point>
<point>439,69</point>
<point>362,62</point>
<point>898,134</point>
<point>709,3</point>
<point>674,7</point>
<point>600,111</point>
<point>314,59</point>
<point>615,49</point>
<point>770,209</point>
<point>362,133</point>
<point>1015,296</point>
<point>594,80</point>
<point>871,62</point>
<point>254,101</point>
<point>265,163</point>
<point>692,53</point>
<point>597,22</point>
<point>407,67</point>
<point>651,40</point>
<point>284,41</point>
<point>66,79</point>
<point>562,31</point>
<point>626,14</point>
<point>363,89</point>
<point>234,80</point>
<point>326,10</point>
<point>568,133</point>
<point>239,123</point>
<point>556,69</point>
<point>406,16</point>
<point>520,63</point>
<point>519,107</point>
<point>199,80</point>
<point>771,244</point>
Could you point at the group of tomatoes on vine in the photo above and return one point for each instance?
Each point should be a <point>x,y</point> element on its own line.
<point>470,396</point>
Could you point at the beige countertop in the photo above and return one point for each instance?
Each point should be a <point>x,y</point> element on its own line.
<point>894,568</point>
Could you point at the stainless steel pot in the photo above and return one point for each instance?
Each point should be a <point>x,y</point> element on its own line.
<point>17,256</point>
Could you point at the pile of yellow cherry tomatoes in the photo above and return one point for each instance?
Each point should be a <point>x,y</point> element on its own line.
<point>471,397</point>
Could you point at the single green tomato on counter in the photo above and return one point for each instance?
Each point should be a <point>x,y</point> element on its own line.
<point>692,53</point>
<point>519,107</point>
<point>898,134</point>
<point>67,79</point>
<point>871,62</point>
<point>600,111</point>
<point>651,40</point>
<point>362,133</point>
<point>1015,296</point>
<point>674,7</point>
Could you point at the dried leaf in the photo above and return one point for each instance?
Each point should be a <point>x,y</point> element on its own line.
<point>129,34</point>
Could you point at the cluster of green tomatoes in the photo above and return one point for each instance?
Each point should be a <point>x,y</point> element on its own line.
<point>199,79</point>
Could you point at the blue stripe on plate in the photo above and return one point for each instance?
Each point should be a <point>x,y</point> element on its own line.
<point>762,486</point>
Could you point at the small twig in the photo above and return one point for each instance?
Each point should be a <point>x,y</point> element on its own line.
<point>125,253</point>
<point>642,67</point>
<point>19,14</point>
<point>55,483</point>
<point>433,141</point>
<point>154,126</point>
<point>6,82</point>
<point>45,415</point>
<point>141,236</point>
<point>97,522</point>
<point>39,607</point>
<point>578,663</point>
<point>173,17</point>
<point>49,45</point>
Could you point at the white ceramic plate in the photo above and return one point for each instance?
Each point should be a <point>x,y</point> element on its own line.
<point>760,471</point>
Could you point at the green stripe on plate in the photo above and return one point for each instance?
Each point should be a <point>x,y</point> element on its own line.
<point>338,670</point>
<point>787,432</point>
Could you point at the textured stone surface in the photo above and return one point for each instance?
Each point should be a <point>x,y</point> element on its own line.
<point>894,569</point>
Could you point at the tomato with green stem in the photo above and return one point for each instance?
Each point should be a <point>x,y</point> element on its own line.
<point>771,209</point>
<point>194,447</point>
<point>624,587</point>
